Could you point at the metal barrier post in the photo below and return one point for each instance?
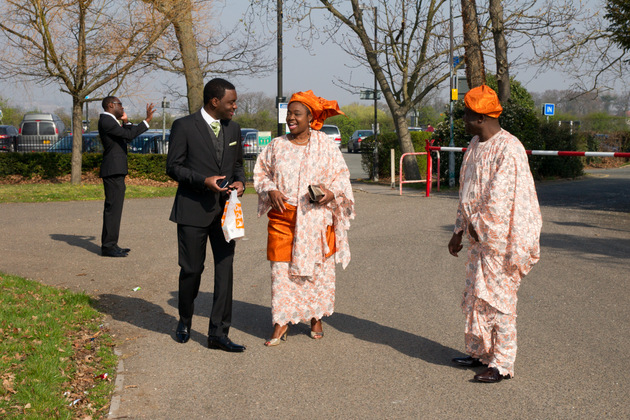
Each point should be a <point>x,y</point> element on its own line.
<point>400,170</point>
<point>393,168</point>
<point>429,167</point>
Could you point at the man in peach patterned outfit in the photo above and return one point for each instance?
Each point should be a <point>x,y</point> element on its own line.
<point>498,210</point>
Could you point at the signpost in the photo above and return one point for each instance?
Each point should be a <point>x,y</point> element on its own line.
<point>264,137</point>
<point>549,109</point>
<point>283,108</point>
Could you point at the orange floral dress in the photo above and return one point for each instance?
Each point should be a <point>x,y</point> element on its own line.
<point>304,288</point>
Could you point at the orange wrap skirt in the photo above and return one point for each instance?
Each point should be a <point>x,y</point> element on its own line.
<point>280,232</point>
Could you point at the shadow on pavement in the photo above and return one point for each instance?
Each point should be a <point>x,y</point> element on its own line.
<point>247,317</point>
<point>409,344</point>
<point>256,320</point>
<point>80,241</point>
<point>584,245</point>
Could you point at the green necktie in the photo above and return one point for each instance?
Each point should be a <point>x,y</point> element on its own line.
<point>216,127</point>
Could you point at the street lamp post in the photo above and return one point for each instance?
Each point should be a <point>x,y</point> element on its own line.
<point>165,105</point>
<point>279,99</point>
<point>451,155</point>
<point>375,169</point>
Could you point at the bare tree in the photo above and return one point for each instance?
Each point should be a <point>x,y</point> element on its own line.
<point>84,46</point>
<point>475,68</point>
<point>408,58</point>
<point>572,37</point>
<point>495,9</point>
<point>254,102</point>
<point>197,45</point>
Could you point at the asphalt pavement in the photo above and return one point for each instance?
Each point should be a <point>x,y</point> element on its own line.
<point>397,322</point>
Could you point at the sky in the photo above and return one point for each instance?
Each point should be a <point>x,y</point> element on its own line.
<point>302,71</point>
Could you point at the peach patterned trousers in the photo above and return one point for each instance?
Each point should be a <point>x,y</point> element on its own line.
<point>490,336</point>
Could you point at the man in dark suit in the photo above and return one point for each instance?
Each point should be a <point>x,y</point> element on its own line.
<point>114,168</point>
<point>204,152</point>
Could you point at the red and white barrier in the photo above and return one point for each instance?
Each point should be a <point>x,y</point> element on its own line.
<point>429,148</point>
<point>539,152</point>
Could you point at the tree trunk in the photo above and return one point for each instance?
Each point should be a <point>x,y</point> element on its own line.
<point>410,164</point>
<point>500,48</point>
<point>77,140</point>
<point>475,70</point>
<point>183,24</point>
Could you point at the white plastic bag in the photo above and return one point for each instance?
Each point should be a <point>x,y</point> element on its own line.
<point>232,220</point>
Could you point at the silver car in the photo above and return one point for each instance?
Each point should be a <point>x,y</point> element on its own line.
<point>333,133</point>
<point>251,148</point>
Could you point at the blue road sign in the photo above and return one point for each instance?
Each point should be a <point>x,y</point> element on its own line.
<point>549,109</point>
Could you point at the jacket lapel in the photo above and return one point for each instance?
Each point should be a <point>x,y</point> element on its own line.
<point>204,130</point>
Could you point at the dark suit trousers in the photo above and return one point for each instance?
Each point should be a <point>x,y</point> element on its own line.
<point>192,243</point>
<point>114,198</point>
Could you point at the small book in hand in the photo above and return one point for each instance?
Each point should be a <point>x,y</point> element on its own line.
<point>315,193</point>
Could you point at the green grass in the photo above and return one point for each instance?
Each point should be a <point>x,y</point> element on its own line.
<point>35,193</point>
<point>52,351</point>
<point>38,193</point>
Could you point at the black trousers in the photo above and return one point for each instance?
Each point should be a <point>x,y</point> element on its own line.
<point>114,198</point>
<point>192,243</point>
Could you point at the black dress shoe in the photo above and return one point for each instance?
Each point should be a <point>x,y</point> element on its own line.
<point>467,361</point>
<point>490,375</point>
<point>183,333</point>
<point>125,250</point>
<point>225,344</point>
<point>113,252</point>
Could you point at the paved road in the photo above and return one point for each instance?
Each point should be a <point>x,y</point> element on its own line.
<point>387,349</point>
<point>353,160</point>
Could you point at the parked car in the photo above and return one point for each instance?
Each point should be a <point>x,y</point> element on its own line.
<point>333,134</point>
<point>354,145</point>
<point>244,131</point>
<point>91,144</point>
<point>251,148</point>
<point>38,132</point>
<point>150,142</point>
<point>249,138</point>
<point>427,127</point>
<point>8,138</point>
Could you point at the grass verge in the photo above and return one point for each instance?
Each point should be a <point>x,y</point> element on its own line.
<point>38,193</point>
<point>54,353</point>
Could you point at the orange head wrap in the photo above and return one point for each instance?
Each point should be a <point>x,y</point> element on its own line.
<point>483,100</point>
<point>320,108</point>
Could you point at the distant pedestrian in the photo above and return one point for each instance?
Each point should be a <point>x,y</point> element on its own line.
<point>306,235</point>
<point>205,151</point>
<point>114,168</point>
<point>498,210</point>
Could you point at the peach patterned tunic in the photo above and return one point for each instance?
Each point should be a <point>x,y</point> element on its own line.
<point>305,287</point>
<point>498,197</point>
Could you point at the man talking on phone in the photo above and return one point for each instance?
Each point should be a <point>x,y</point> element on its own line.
<point>205,157</point>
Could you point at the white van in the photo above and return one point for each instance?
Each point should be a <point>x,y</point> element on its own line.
<point>38,132</point>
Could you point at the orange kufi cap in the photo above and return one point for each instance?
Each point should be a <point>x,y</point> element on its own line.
<point>483,100</point>
<point>320,108</point>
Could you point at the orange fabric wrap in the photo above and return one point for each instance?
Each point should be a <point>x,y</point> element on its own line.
<point>280,234</point>
<point>483,100</point>
<point>320,108</point>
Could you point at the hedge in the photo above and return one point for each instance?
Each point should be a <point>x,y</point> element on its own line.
<point>52,165</point>
<point>389,141</point>
<point>530,130</point>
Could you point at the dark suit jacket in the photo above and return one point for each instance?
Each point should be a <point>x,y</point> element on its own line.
<point>115,139</point>
<point>192,158</point>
